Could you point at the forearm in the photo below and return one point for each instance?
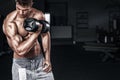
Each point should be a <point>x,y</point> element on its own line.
<point>47,56</point>
<point>27,44</point>
<point>48,48</point>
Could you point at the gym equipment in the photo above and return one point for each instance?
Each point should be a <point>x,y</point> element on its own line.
<point>32,24</point>
<point>109,50</point>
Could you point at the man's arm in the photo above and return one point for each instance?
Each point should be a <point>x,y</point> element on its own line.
<point>46,40</point>
<point>20,46</point>
<point>46,45</point>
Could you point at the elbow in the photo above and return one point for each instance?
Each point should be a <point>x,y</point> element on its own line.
<point>21,52</point>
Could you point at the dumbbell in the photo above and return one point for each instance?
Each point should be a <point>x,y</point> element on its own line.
<point>32,25</point>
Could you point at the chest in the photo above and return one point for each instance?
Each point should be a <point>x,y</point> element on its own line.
<point>20,28</point>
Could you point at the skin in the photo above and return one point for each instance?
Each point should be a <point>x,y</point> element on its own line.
<point>25,44</point>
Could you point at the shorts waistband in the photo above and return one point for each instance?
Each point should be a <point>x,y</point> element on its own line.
<point>27,59</point>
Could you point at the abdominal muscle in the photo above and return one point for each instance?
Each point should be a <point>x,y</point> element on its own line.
<point>35,51</point>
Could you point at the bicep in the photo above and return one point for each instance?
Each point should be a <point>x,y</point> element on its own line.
<point>14,42</point>
<point>13,38</point>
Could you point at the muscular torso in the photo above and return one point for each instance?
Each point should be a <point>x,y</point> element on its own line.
<point>23,33</point>
<point>35,50</point>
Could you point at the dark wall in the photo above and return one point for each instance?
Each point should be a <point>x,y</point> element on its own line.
<point>97,14</point>
<point>97,11</point>
<point>6,6</point>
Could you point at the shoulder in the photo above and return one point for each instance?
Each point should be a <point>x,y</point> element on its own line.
<point>8,23</point>
<point>10,17</point>
<point>38,14</point>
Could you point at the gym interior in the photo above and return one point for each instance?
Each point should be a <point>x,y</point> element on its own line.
<point>85,38</point>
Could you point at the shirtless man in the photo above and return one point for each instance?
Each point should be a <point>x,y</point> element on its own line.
<point>28,61</point>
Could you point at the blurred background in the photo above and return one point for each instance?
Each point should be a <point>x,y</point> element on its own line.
<point>85,38</point>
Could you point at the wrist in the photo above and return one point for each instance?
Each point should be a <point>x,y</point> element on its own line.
<point>47,60</point>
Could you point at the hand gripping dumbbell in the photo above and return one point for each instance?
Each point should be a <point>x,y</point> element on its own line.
<point>32,25</point>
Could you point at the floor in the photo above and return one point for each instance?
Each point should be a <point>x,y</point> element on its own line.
<point>72,62</point>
